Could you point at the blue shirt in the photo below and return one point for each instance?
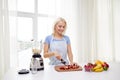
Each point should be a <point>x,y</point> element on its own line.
<point>59,45</point>
<point>49,37</point>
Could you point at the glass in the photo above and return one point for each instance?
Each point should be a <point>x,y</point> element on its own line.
<point>34,66</point>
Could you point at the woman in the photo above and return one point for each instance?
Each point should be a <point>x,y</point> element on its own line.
<point>57,46</point>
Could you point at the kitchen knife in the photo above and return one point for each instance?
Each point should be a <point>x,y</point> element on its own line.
<point>63,62</point>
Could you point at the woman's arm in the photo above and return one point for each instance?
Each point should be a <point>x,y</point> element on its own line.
<point>46,54</point>
<point>50,54</point>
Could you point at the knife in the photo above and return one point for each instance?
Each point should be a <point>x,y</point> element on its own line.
<point>63,62</point>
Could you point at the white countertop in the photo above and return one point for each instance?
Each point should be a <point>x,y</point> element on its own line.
<point>49,73</point>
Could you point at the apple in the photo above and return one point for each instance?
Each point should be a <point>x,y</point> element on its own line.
<point>105,66</point>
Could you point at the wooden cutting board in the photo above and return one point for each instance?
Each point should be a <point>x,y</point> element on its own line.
<point>57,68</point>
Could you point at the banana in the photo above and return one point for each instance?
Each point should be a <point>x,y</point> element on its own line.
<point>99,62</point>
<point>97,66</point>
<point>99,70</point>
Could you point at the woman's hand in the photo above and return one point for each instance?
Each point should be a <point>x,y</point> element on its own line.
<point>58,56</point>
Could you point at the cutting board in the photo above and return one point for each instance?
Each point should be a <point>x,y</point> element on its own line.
<point>57,68</point>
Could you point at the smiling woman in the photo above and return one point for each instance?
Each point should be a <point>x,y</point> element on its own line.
<point>57,46</point>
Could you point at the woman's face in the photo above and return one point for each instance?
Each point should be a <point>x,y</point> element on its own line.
<point>60,27</point>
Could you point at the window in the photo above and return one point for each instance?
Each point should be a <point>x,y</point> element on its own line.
<point>34,19</point>
<point>47,27</point>
<point>24,29</point>
<point>46,7</point>
<point>26,7</point>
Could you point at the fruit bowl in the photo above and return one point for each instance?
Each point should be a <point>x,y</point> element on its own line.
<point>98,66</point>
<point>89,67</point>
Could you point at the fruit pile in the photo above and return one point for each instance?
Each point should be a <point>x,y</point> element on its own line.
<point>68,67</point>
<point>98,66</point>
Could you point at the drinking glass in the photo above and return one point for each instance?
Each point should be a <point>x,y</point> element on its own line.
<point>34,66</point>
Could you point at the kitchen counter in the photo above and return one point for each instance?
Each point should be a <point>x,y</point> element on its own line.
<point>49,73</point>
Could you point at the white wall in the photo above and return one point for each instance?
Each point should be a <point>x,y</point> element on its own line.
<point>116,19</point>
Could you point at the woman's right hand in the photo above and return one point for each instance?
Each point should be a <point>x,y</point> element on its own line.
<point>58,56</point>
